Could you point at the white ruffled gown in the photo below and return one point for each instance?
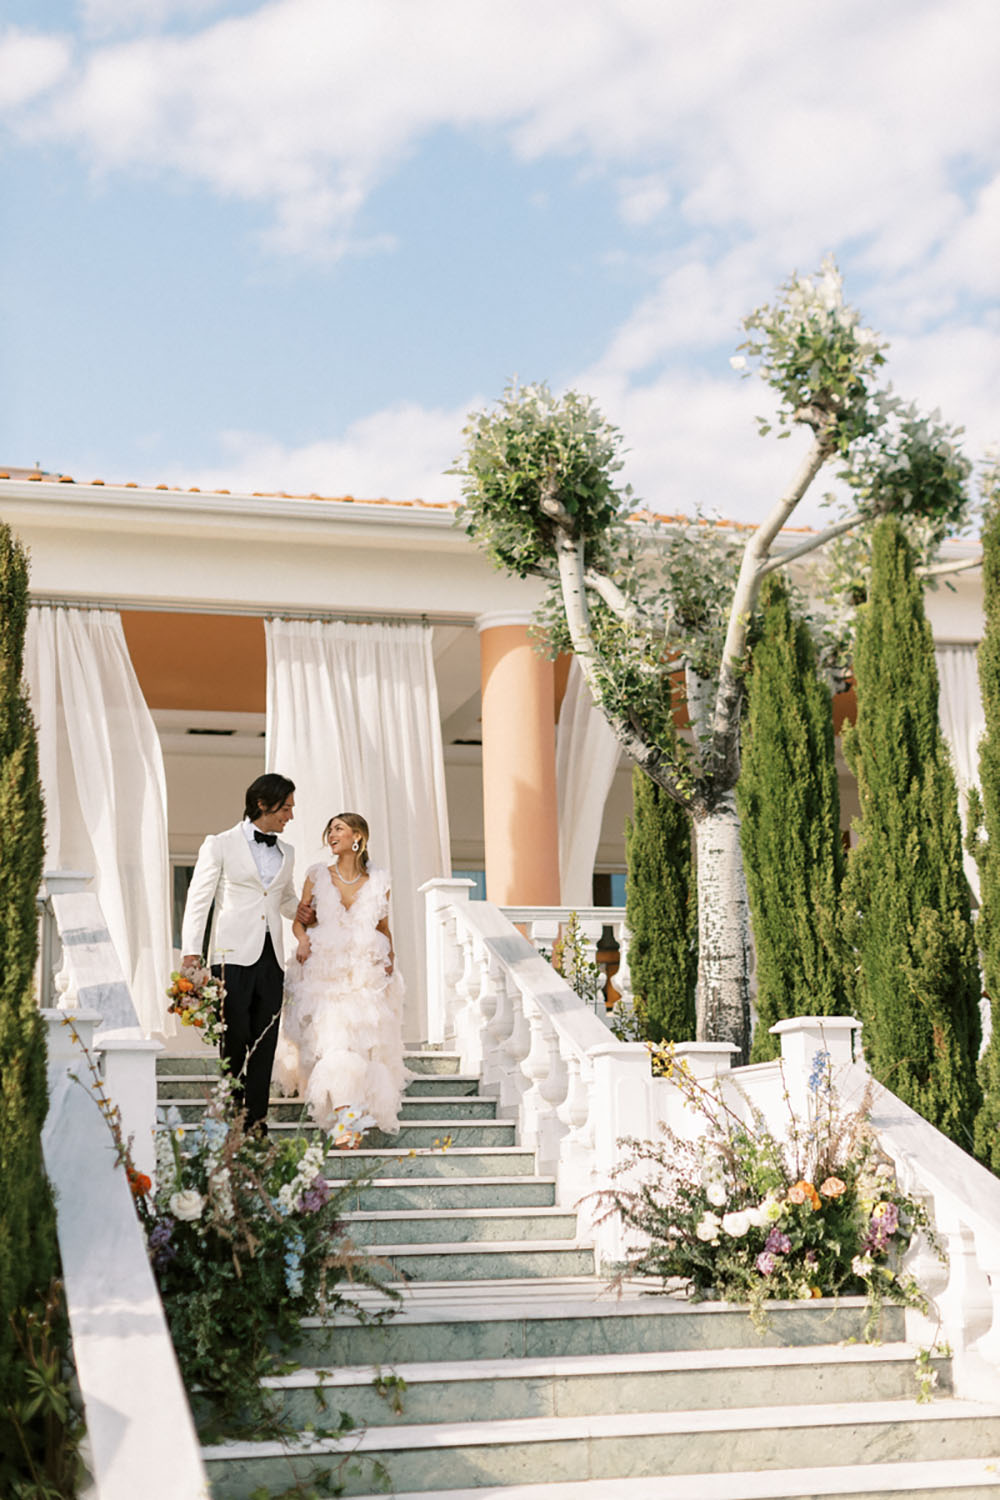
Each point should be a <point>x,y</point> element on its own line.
<point>341,1041</point>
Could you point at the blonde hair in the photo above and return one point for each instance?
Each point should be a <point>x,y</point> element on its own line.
<point>359,826</point>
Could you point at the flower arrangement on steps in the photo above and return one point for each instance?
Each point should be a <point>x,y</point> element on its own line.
<point>740,1216</point>
<point>245,1238</point>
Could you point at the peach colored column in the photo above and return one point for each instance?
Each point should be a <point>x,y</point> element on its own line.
<point>519,765</point>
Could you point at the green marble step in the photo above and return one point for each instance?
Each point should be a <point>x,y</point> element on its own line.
<point>436,1458</point>
<point>189,1099</point>
<point>450,1107</point>
<point>203,1062</point>
<point>484,1390</point>
<point>192,1109</point>
<point>465,1192</point>
<point>460,1161</point>
<point>459,1226</point>
<point>444,1133</point>
<point>495,1261</point>
<point>541,1322</point>
<point>419,1101</point>
<point>428,1084</point>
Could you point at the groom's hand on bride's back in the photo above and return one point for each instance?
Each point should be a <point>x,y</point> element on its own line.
<point>306,914</point>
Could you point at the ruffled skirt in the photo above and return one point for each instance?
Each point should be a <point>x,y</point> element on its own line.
<point>341,1041</point>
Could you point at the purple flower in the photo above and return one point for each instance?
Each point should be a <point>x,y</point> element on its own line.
<point>159,1235</point>
<point>315,1196</point>
<point>777,1243</point>
<point>765,1262</point>
<point>160,1242</point>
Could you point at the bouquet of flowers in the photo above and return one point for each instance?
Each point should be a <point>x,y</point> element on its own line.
<point>196,995</point>
<point>245,1239</point>
<point>741,1217</point>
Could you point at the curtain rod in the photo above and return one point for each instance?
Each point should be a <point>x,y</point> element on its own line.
<point>172,607</point>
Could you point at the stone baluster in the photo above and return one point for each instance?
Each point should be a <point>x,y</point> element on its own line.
<point>513,1082</point>
<point>536,1106</point>
<point>544,933</point>
<point>575,1168</point>
<point>466,991</point>
<point>623,977</point>
<point>482,1006</point>
<point>499,1028</point>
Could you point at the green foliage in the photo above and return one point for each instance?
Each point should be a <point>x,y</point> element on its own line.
<point>28,1255</point>
<point>661,912</point>
<point>743,1217</point>
<point>985,824</point>
<point>245,1240</point>
<point>816,356</point>
<point>907,908</point>
<point>573,961</point>
<point>789,810</point>
<point>535,455</point>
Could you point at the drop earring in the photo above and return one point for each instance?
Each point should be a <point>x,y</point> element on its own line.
<point>356,845</point>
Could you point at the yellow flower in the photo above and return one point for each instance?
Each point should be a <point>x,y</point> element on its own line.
<point>816,1291</point>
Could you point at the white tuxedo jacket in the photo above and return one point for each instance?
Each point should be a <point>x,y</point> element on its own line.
<point>244,910</point>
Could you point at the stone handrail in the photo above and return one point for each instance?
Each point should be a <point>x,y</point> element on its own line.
<point>576,1092</point>
<point>140,1437</point>
<point>541,1051</point>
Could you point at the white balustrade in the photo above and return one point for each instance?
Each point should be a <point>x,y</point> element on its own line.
<point>576,1093</point>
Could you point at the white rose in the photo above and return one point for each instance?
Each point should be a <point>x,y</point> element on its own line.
<point>187,1205</point>
<point>736,1224</point>
<point>757,1217</point>
<point>707,1227</point>
<point>716,1193</point>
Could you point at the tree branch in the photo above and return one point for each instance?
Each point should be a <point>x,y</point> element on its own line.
<point>941,570</point>
<point>724,761</point>
<point>811,544</point>
<point>572,578</point>
<point>622,607</point>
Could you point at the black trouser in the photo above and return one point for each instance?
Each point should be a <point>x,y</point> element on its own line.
<point>251,1010</point>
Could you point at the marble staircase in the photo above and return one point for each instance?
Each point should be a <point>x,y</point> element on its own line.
<point>524,1377</point>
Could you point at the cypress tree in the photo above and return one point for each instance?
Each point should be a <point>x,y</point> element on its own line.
<point>985,811</point>
<point>789,807</point>
<point>907,905</point>
<point>28,1256</point>
<point>661,912</point>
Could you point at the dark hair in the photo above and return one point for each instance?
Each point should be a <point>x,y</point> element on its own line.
<point>357,822</point>
<point>267,794</point>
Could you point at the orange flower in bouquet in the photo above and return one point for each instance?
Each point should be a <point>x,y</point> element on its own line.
<point>804,1192</point>
<point>196,996</point>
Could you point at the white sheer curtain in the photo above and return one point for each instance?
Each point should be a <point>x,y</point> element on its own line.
<point>960,711</point>
<point>352,718</point>
<point>105,791</point>
<point>587,755</point>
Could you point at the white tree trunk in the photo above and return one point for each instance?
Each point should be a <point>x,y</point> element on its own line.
<point>722,998</point>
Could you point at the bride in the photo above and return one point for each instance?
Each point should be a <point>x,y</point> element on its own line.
<point>341,1043</point>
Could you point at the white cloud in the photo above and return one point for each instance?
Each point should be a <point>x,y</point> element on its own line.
<point>822,124</point>
<point>30,65</point>
<point>399,453</point>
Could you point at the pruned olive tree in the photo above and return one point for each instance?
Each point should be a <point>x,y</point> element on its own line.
<point>659,617</point>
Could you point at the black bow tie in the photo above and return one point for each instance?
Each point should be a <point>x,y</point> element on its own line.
<point>270,839</point>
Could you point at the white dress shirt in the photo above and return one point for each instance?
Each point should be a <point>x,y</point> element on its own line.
<point>267,857</point>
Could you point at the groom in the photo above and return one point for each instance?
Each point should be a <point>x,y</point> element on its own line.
<point>247,872</point>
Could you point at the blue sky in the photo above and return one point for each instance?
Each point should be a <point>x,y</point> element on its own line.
<point>290,245</point>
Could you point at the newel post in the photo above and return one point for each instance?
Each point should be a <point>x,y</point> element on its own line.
<point>439,894</point>
<point>802,1038</point>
